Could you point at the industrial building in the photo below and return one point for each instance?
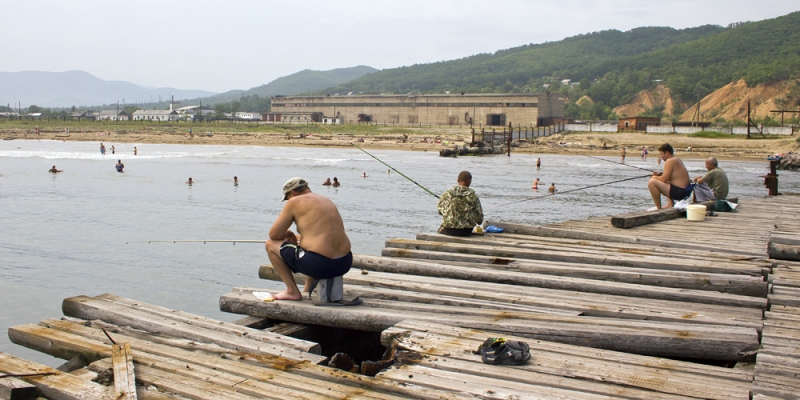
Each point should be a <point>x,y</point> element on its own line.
<point>425,109</point>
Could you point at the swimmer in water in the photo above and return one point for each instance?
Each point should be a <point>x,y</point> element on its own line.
<point>235,181</point>
<point>190,181</point>
<point>552,189</point>
<point>535,184</point>
<point>54,170</point>
<point>120,166</point>
<point>364,175</point>
<point>327,182</point>
<point>135,151</point>
<point>538,163</point>
<point>336,182</point>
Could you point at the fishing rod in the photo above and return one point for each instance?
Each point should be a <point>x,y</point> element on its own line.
<point>203,241</point>
<point>576,189</point>
<point>615,162</point>
<point>392,168</point>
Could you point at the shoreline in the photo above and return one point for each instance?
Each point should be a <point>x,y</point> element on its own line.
<point>574,143</point>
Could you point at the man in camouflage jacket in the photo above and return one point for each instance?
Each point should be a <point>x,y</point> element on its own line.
<point>460,208</point>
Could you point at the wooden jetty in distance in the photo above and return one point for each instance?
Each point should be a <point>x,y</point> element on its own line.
<point>665,310</point>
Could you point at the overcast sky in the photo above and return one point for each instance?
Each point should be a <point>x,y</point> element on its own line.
<point>239,44</point>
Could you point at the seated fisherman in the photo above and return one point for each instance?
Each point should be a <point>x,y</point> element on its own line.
<point>673,182</point>
<point>714,184</point>
<point>460,208</point>
<point>326,247</point>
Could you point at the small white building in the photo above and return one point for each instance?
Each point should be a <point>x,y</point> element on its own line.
<point>155,115</point>
<point>112,115</point>
<point>249,116</point>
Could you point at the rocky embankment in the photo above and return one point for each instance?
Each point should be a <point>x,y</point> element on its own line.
<point>790,162</point>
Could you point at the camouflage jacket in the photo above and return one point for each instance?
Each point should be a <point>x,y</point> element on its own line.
<point>460,208</point>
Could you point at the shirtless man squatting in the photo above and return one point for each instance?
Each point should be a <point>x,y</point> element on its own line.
<point>325,251</point>
<point>672,182</point>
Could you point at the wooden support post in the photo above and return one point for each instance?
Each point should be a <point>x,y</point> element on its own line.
<point>16,389</point>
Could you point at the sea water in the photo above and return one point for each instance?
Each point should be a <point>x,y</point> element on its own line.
<point>85,231</point>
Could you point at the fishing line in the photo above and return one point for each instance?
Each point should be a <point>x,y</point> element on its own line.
<point>260,241</point>
<point>392,168</point>
<point>615,162</point>
<point>576,189</point>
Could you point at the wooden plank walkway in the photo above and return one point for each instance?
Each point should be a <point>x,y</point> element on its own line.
<point>598,305</point>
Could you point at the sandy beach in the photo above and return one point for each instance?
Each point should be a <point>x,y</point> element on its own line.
<point>414,139</point>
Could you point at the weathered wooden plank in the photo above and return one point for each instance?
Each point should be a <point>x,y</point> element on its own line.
<point>212,324</point>
<point>641,337</point>
<point>124,375</point>
<point>638,218</point>
<point>474,368</point>
<point>584,246</point>
<point>91,308</point>
<point>16,389</point>
<point>480,387</point>
<point>410,267</point>
<point>584,258</point>
<point>588,304</point>
<point>56,386</point>
<point>624,237</point>
<point>658,375</point>
<point>784,300</point>
<point>780,251</point>
<point>727,283</point>
<point>410,328</point>
<point>75,338</point>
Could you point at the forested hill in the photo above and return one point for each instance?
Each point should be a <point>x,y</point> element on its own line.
<point>613,66</point>
<point>300,82</point>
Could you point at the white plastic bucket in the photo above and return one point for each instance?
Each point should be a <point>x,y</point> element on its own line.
<point>696,212</point>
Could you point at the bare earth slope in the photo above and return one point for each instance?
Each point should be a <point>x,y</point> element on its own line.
<point>730,101</point>
<point>646,100</point>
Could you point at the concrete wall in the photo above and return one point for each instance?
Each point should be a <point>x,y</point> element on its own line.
<point>591,128</point>
<point>478,109</point>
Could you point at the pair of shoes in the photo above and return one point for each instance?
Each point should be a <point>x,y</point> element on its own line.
<point>500,351</point>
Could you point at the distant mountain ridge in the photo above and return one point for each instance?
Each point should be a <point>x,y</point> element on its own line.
<point>298,83</point>
<point>78,88</point>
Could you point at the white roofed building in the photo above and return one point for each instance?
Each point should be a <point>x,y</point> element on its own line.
<point>155,115</point>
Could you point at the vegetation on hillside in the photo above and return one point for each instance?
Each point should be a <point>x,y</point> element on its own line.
<point>611,66</point>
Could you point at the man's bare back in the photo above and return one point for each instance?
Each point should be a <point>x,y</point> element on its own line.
<point>320,230</point>
<point>675,173</point>
<point>318,223</point>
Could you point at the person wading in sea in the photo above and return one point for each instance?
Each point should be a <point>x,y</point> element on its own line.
<point>325,251</point>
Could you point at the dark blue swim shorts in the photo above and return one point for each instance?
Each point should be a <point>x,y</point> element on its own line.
<point>312,264</point>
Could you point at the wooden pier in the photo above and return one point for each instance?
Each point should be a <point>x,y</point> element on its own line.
<point>665,310</point>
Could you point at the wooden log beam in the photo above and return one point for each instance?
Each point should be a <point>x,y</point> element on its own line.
<point>622,260</point>
<point>726,283</point>
<point>781,251</point>
<point>641,337</point>
<point>184,318</point>
<point>594,234</point>
<point>97,308</point>
<point>53,384</point>
<point>639,218</point>
<point>124,376</point>
<point>665,292</point>
<point>547,300</point>
<point>16,389</point>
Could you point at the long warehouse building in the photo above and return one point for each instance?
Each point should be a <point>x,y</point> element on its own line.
<point>429,109</point>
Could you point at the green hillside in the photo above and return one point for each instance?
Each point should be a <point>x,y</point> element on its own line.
<point>300,82</point>
<point>612,66</point>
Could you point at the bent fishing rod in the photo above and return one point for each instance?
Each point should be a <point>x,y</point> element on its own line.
<point>576,189</point>
<point>393,169</point>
